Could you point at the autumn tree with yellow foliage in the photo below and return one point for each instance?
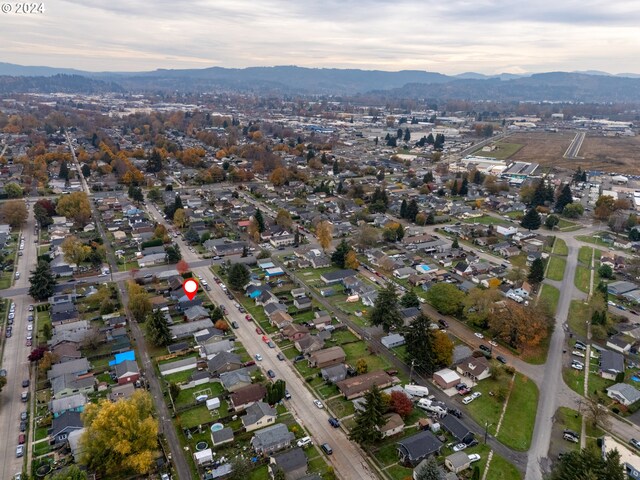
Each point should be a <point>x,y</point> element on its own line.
<point>324,232</point>
<point>120,438</point>
<point>76,207</point>
<point>74,250</point>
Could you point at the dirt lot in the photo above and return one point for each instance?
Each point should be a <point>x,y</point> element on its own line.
<point>610,154</point>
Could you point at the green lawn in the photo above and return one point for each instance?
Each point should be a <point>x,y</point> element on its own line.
<point>560,247</point>
<point>584,255</point>
<point>180,377</point>
<point>488,220</point>
<point>566,224</point>
<point>341,407</point>
<point>593,239</point>
<point>501,469</point>
<point>556,268</point>
<point>579,314</point>
<point>199,415</point>
<point>503,150</point>
<point>358,350</point>
<point>550,295</point>
<point>582,279</point>
<point>519,418</point>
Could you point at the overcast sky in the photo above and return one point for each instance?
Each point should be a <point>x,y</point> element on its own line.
<point>451,36</point>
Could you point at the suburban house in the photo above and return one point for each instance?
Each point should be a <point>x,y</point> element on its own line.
<point>259,415</point>
<point>456,428</point>
<point>73,403</point>
<point>331,278</point>
<point>63,425</point>
<point>245,396</point>
<point>185,330</point>
<point>392,340</point>
<point>181,365</point>
<point>611,364</point>
<point>302,303</point>
<point>412,450</point>
<point>76,367</point>
<point>235,380</point>
<point>281,319</point>
<point>334,374</point>
<point>623,393</point>
<point>327,357</point>
<point>272,439</point>
<point>474,368</point>
<point>224,362</point>
<point>293,463</point>
<point>295,331</point>
<point>309,343</point>
<point>211,349</point>
<point>393,425</point>
<point>357,386</point>
<point>619,343</point>
<point>122,392</point>
<point>457,462</point>
<point>127,372</point>
<point>66,385</point>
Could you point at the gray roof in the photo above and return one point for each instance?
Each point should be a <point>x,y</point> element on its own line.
<point>185,329</point>
<point>611,362</point>
<point>222,359</point>
<point>68,420</point>
<point>627,391</point>
<point>290,460</point>
<point>79,365</point>
<point>256,411</point>
<point>128,366</point>
<point>338,275</point>
<point>620,287</point>
<point>178,363</point>
<point>229,379</point>
<point>419,445</point>
<point>69,380</point>
<point>224,435</point>
<point>68,403</point>
<point>197,311</point>
<point>458,459</point>
<point>454,426</point>
<point>270,436</point>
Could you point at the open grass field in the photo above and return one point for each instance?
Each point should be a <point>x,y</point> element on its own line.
<point>579,314</point>
<point>520,416</point>
<point>550,295</point>
<point>503,150</point>
<point>584,255</point>
<point>582,279</point>
<point>611,154</point>
<point>545,148</point>
<point>556,268</point>
<point>560,247</point>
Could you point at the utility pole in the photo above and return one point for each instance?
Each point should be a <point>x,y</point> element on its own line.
<point>486,430</point>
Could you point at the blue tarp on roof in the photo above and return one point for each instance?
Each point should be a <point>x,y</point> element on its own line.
<point>121,357</point>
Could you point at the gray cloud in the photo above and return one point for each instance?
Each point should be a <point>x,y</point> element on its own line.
<point>487,36</point>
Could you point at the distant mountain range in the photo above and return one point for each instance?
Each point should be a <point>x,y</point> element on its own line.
<point>587,86</point>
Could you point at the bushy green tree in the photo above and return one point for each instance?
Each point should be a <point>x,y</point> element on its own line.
<point>366,430</point>
<point>385,310</point>
<point>158,330</point>
<point>446,298</point>
<point>536,271</point>
<point>42,281</point>
<point>238,276</point>
<point>531,220</point>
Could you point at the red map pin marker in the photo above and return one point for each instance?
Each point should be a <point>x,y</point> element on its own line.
<point>190,288</point>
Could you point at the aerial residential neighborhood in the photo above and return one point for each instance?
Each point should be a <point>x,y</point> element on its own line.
<point>346,267</point>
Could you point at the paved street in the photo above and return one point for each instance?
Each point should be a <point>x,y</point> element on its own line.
<point>347,459</point>
<point>14,360</point>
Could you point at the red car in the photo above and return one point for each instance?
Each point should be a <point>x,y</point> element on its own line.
<point>259,331</point>
<point>28,343</point>
<point>248,318</point>
<point>265,339</point>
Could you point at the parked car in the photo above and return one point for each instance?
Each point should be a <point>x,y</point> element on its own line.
<point>459,447</point>
<point>287,395</point>
<point>484,348</point>
<point>271,374</point>
<point>443,323</point>
<point>475,395</point>
<point>635,443</point>
<point>474,457</point>
<point>25,383</point>
<point>19,451</point>
<point>304,441</point>
<point>280,356</point>
<point>248,318</point>
<point>334,422</point>
<point>501,359</point>
<point>258,357</point>
<point>326,448</point>
<point>467,400</point>
<point>234,324</point>
<point>318,403</point>
<point>23,426</point>
<point>570,438</point>
<point>270,344</point>
<point>479,335</point>
<point>298,358</point>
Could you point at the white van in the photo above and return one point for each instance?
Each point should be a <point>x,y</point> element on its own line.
<point>304,441</point>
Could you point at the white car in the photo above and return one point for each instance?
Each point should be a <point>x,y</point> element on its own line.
<point>258,357</point>
<point>318,403</point>
<point>17,275</point>
<point>459,447</point>
<point>304,441</point>
<point>493,343</point>
<point>577,366</point>
<point>479,335</point>
<point>468,400</point>
<point>577,353</point>
<point>30,327</point>
<point>474,457</point>
<point>475,395</point>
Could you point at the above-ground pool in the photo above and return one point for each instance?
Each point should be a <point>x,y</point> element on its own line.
<point>216,427</point>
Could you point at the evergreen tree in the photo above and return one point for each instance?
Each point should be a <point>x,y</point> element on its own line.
<point>531,220</point>
<point>173,253</point>
<point>539,195</point>
<point>259,220</point>
<point>392,142</point>
<point>455,243</point>
<point>634,234</point>
<point>399,133</point>
<point>478,177</point>
<point>410,299</point>
<point>536,271</point>
<point>64,171</point>
<point>564,199</point>
<point>86,170</point>
<point>454,188</point>
<point>588,464</point>
<point>340,254</point>
<point>135,193</point>
<point>403,209</point>
<point>238,276</point>
<point>158,330</point>
<point>340,188</point>
<point>42,281</point>
<point>366,430</point>
<point>385,310</point>
<point>412,210</point>
<point>464,188</point>
<point>430,139</point>
<point>154,162</point>
<point>379,201</point>
<point>551,221</point>
<point>177,203</point>
<point>431,219</point>
<point>323,158</point>
<point>407,135</point>
<point>428,177</point>
<point>429,470</point>
<point>399,233</point>
<point>336,167</point>
<point>191,236</point>
<point>419,344</point>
